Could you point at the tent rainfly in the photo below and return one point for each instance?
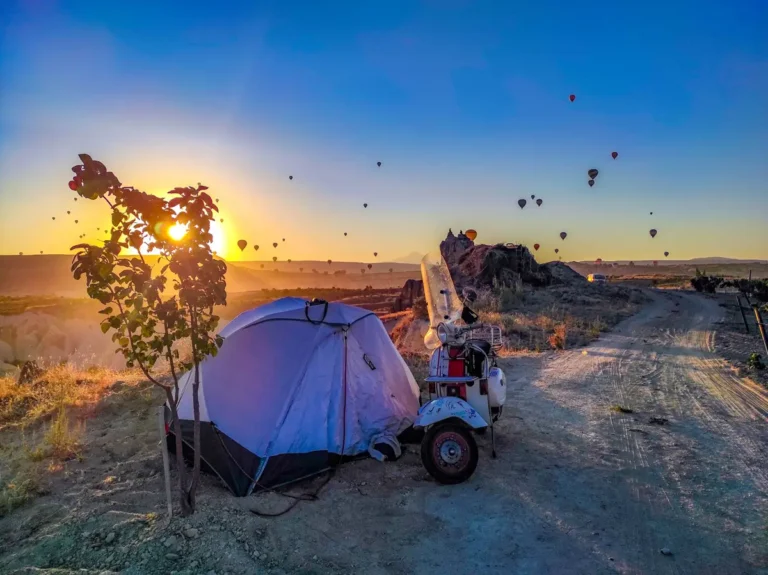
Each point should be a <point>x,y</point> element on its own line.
<point>294,386</point>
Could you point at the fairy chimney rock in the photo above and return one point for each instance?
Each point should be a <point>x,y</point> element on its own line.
<point>453,246</point>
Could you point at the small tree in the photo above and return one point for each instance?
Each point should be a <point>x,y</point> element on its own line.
<point>148,320</point>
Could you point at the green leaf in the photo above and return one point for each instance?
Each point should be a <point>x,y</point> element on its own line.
<point>105,327</point>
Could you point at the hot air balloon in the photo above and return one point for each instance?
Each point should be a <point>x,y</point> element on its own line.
<point>256,248</point>
<point>614,155</point>
<point>301,270</point>
<point>41,252</point>
<point>536,247</point>
<point>651,213</point>
<point>217,200</point>
<point>262,266</point>
<point>67,211</point>
<point>274,244</point>
<point>533,196</point>
<point>370,266</point>
<point>241,244</point>
<point>539,202</point>
<point>592,173</point>
<point>289,261</point>
<point>73,185</point>
<point>75,199</point>
<point>53,218</point>
<point>329,262</point>
<point>378,164</point>
<point>21,253</point>
<point>591,183</point>
<point>563,235</point>
<point>274,258</point>
<point>365,205</point>
<point>598,261</point>
<point>653,233</point>
<point>471,234</point>
<point>572,97</point>
<point>76,221</point>
<point>666,254</point>
<point>222,220</point>
<point>362,270</point>
<point>375,254</point>
<point>290,177</point>
<point>345,233</point>
<point>391,270</point>
<point>521,202</point>
<point>557,250</point>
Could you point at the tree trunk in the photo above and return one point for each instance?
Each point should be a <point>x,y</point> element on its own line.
<point>196,411</point>
<point>181,468</point>
<point>196,408</point>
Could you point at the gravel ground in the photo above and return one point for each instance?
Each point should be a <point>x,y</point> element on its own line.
<point>675,483</point>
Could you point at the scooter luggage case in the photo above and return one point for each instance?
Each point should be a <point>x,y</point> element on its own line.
<point>497,387</point>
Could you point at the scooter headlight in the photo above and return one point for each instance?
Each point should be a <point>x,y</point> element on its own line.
<point>442,333</point>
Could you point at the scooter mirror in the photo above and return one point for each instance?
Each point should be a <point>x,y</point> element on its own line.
<point>469,294</point>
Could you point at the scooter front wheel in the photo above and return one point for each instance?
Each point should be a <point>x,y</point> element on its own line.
<point>449,453</point>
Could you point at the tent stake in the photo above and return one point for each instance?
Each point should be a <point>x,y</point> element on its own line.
<point>166,464</point>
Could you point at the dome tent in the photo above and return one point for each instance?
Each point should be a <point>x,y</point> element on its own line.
<point>293,387</point>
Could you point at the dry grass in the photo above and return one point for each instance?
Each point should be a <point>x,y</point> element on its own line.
<point>557,317</point>
<point>42,425</point>
<point>61,387</point>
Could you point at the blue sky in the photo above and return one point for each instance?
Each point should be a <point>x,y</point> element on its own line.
<point>464,103</point>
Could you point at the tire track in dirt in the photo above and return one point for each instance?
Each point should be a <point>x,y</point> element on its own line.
<point>703,469</point>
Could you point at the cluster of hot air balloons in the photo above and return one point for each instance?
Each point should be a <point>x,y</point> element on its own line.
<point>522,202</point>
<point>242,244</point>
<point>592,173</point>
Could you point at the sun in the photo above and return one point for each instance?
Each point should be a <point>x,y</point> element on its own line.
<point>177,231</point>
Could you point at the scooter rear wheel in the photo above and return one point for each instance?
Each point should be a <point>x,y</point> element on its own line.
<point>449,453</point>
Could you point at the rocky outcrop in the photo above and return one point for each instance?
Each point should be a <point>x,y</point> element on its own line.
<point>453,247</point>
<point>563,274</point>
<point>498,266</point>
<point>412,290</point>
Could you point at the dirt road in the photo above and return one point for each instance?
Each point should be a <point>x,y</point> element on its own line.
<point>577,486</point>
<point>607,490</point>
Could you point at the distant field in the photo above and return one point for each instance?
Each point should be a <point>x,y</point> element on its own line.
<point>49,275</point>
<point>60,307</point>
<point>678,272</point>
<point>376,300</point>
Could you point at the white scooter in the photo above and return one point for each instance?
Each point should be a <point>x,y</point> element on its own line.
<point>467,390</point>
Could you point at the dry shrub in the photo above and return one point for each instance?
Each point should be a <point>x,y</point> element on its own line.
<point>23,487</point>
<point>62,440</point>
<point>420,308</point>
<point>511,297</point>
<point>487,301</point>
<point>595,327</point>
<point>558,338</point>
<point>503,320</point>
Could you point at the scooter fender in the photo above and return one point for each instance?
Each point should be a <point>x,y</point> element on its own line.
<point>446,408</point>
